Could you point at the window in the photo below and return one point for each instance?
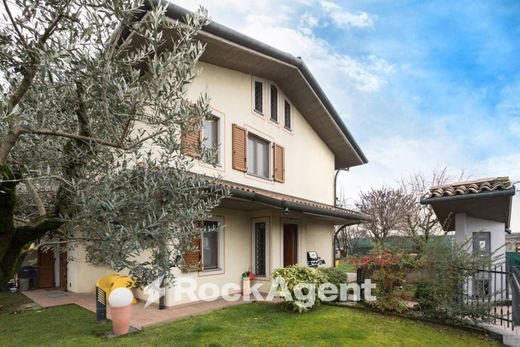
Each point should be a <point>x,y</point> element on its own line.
<point>212,245</point>
<point>257,156</point>
<point>287,108</point>
<point>260,247</point>
<point>274,103</point>
<point>259,97</point>
<point>211,140</point>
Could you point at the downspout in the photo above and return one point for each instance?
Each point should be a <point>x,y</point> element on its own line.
<point>334,241</point>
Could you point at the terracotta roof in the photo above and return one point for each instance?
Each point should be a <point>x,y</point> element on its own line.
<point>470,187</point>
<point>288,198</point>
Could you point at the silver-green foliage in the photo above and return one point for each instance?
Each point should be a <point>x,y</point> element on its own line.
<point>93,105</point>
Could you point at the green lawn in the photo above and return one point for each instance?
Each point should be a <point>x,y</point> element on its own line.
<point>347,266</point>
<point>251,325</point>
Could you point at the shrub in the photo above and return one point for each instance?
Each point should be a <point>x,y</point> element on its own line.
<point>296,275</point>
<point>388,271</point>
<point>336,276</point>
<point>440,292</point>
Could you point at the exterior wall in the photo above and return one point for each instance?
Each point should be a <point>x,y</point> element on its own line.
<point>82,276</point>
<point>465,226</point>
<point>308,159</point>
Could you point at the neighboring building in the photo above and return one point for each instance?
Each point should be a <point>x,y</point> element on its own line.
<point>280,142</point>
<point>480,214</point>
<point>478,210</point>
<point>513,242</point>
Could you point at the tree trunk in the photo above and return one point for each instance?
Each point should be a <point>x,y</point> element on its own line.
<point>15,239</point>
<point>7,228</point>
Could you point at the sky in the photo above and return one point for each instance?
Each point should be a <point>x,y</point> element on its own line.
<point>420,85</point>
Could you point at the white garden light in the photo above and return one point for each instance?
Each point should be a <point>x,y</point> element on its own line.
<point>120,297</point>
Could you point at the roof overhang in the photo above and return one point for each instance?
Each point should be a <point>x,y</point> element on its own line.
<point>492,205</point>
<point>230,49</point>
<point>339,216</point>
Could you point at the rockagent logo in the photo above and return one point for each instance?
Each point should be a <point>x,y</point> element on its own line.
<point>188,289</point>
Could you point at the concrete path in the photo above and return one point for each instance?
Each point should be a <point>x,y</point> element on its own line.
<point>141,317</point>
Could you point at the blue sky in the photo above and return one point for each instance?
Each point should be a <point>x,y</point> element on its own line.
<point>421,85</point>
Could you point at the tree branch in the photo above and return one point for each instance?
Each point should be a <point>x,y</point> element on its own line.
<point>18,32</point>
<point>35,196</point>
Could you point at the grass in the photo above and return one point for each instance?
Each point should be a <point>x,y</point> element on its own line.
<point>10,302</point>
<point>253,325</point>
<point>347,266</point>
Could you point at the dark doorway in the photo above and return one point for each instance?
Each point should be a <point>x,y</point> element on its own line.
<point>46,269</point>
<point>63,271</point>
<point>290,244</point>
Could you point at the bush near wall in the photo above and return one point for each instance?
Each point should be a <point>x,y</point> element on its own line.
<point>297,274</point>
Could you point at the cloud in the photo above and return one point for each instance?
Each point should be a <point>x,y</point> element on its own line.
<point>344,18</point>
<point>290,28</point>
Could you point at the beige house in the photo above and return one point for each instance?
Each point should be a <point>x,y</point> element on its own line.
<point>281,142</point>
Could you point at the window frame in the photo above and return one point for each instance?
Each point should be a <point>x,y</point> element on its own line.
<point>287,102</point>
<point>220,140</point>
<point>277,120</point>
<point>253,93</point>
<point>221,248</point>
<point>269,156</point>
<point>254,221</point>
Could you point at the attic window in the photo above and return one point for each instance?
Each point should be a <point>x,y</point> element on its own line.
<point>274,103</point>
<point>287,109</point>
<point>259,97</point>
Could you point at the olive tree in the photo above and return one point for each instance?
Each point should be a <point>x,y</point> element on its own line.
<point>93,110</point>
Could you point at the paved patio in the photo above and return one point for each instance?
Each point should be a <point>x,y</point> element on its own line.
<point>141,317</point>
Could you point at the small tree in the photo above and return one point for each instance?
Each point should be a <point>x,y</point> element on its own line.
<point>420,221</point>
<point>349,237</point>
<point>387,207</point>
<point>93,110</point>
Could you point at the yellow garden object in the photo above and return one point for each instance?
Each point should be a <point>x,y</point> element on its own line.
<point>111,282</point>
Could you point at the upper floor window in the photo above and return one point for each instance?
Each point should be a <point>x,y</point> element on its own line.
<point>287,114</point>
<point>211,140</point>
<point>259,96</point>
<point>257,156</point>
<point>274,103</point>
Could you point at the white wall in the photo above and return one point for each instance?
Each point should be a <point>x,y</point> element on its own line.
<point>466,225</point>
<point>309,164</point>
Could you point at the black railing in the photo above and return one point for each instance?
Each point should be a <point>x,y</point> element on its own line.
<point>490,289</point>
<point>515,289</point>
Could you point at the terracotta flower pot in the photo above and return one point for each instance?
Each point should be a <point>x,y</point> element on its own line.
<point>121,319</point>
<point>246,287</point>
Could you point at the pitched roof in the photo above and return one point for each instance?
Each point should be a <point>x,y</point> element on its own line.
<point>292,203</point>
<point>471,187</point>
<point>230,49</point>
<point>489,198</point>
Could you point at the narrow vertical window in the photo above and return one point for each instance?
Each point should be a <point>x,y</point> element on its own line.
<point>259,97</point>
<point>260,245</point>
<point>211,140</point>
<point>287,108</point>
<point>211,245</point>
<point>274,103</point>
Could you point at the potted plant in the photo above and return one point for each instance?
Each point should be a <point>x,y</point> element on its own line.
<point>246,282</point>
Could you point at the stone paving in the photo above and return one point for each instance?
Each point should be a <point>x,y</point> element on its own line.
<point>141,317</point>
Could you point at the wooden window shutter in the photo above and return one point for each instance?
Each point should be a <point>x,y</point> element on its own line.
<point>278,163</point>
<point>239,142</point>
<point>192,258</point>
<point>190,143</point>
